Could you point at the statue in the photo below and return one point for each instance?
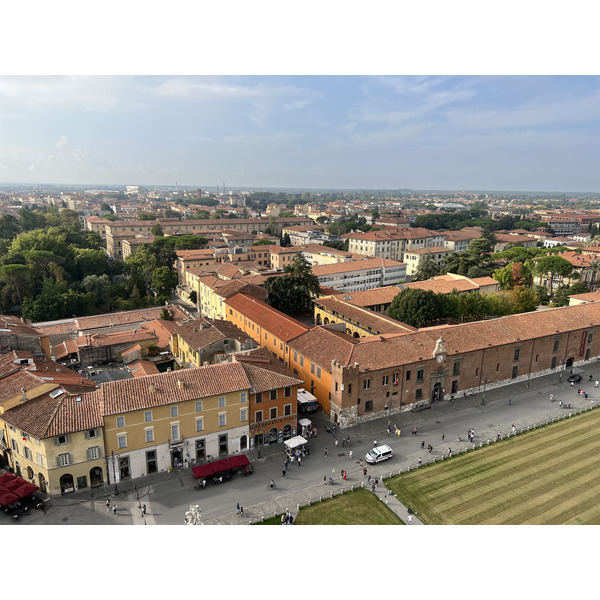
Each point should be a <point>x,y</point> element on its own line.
<point>440,347</point>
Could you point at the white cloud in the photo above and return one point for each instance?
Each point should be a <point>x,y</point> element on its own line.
<point>62,142</point>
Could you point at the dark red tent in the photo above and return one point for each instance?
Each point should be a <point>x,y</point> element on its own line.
<point>239,460</point>
<point>25,489</point>
<point>7,497</point>
<point>6,477</point>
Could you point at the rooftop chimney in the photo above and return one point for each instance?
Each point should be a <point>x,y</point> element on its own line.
<point>23,395</point>
<point>180,384</point>
<point>152,388</point>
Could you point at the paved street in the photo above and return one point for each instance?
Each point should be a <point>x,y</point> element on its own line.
<point>167,496</point>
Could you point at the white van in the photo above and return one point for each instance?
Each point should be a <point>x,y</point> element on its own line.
<point>379,454</point>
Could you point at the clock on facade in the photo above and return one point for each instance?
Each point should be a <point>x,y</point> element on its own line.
<point>440,358</point>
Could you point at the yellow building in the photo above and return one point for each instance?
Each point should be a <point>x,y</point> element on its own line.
<point>56,442</point>
<point>155,422</point>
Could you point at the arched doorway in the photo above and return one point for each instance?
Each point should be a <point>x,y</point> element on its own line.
<point>436,392</point>
<point>244,442</point>
<point>570,362</point>
<point>66,483</point>
<point>355,334</point>
<point>273,435</point>
<point>96,478</point>
<point>348,332</point>
<point>319,319</point>
<point>325,321</point>
<point>287,431</point>
<point>42,483</point>
<point>30,474</point>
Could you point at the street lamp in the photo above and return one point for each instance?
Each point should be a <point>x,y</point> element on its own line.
<point>485,380</point>
<point>115,458</point>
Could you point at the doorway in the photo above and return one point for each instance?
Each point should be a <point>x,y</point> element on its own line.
<point>436,392</point>
<point>66,483</point>
<point>96,478</point>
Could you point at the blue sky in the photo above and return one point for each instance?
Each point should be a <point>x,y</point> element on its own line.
<point>537,133</point>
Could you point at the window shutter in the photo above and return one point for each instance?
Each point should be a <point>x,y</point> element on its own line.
<point>89,453</point>
<point>58,461</point>
<point>56,441</point>
<point>67,440</point>
<point>86,434</point>
<point>70,458</point>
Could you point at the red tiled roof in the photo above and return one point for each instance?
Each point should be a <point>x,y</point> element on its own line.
<point>274,321</point>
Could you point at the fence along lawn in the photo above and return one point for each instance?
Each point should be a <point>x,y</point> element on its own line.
<point>548,476</point>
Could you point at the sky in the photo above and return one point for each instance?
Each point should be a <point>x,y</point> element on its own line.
<point>530,133</point>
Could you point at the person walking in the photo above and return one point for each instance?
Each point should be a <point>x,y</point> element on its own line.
<point>350,455</point>
<point>283,474</point>
<point>108,504</point>
<point>299,461</point>
<point>325,452</point>
<point>238,508</point>
<point>420,461</point>
<point>115,511</point>
<point>374,443</point>
<point>144,510</point>
<point>409,519</point>
<point>365,472</point>
<point>443,436</point>
<point>596,384</point>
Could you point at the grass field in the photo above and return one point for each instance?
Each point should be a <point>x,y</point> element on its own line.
<point>548,476</point>
<point>359,507</point>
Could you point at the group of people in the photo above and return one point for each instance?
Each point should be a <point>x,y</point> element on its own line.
<point>240,510</point>
<point>287,518</point>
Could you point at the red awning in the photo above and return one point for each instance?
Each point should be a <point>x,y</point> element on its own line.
<point>219,466</point>
<point>25,489</point>
<point>240,460</point>
<point>202,471</point>
<point>7,497</point>
<point>11,484</point>
<point>6,477</point>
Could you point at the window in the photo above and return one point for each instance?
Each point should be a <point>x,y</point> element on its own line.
<point>553,366</point>
<point>367,384</point>
<point>149,435</point>
<point>258,416</point>
<point>64,460</point>
<point>243,397</point>
<point>368,405</point>
<point>407,375</point>
<point>27,452</point>
<point>456,368</point>
<point>454,386</point>
<point>590,337</point>
<point>349,388</point>
<point>273,413</point>
<point>420,375</point>
<point>395,379</point>
<point>174,432</point>
<point>312,368</point>
<point>221,401</point>
<point>147,416</point>
<point>295,355</point>
<point>517,354</point>
<point>222,419</point>
<point>61,440</point>
<point>94,452</point>
<point>273,394</point>
<point>39,459</point>
<point>174,411</point>
<point>287,392</point>
<point>14,445</point>
<point>556,344</point>
<point>384,380</point>
<point>515,371</point>
<point>287,410</point>
<point>120,422</point>
<point>243,414</point>
<point>419,394</point>
<point>122,441</point>
<point>318,372</point>
<point>258,398</point>
<point>198,405</point>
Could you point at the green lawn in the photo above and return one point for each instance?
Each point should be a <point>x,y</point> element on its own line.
<point>548,476</point>
<point>359,507</point>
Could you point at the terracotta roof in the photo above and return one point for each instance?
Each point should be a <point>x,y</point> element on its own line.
<point>201,333</point>
<point>140,368</point>
<point>366,318</point>
<point>274,321</point>
<point>355,265</point>
<point>11,385</point>
<point>372,353</point>
<point>321,345</point>
<point>381,295</point>
<point>157,390</point>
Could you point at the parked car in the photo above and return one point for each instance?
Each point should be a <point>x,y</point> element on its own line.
<point>379,454</point>
<point>575,379</point>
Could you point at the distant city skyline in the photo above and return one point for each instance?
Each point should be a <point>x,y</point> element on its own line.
<point>500,133</point>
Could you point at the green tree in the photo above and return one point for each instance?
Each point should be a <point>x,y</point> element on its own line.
<point>293,292</point>
<point>146,216</point>
<point>415,307</point>
<point>426,269</point>
<point>16,276</point>
<point>140,268</point>
<point>100,286</point>
<point>262,243</point>
<point>164,281</point>
<point>157,230</point>
<point>9,227</point>
<point>550,266</point>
